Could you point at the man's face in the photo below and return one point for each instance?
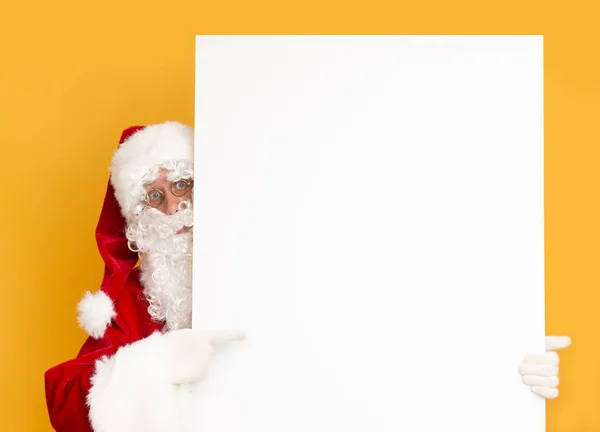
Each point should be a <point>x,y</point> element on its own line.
<point>169,196</point>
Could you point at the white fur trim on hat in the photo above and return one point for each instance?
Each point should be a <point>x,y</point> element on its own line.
<point>140,156</point>
<point>96,311</point>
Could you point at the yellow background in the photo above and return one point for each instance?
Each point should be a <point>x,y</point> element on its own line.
<point>74,74</point>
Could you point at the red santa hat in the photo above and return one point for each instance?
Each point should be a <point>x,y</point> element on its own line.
<point>142,151</point>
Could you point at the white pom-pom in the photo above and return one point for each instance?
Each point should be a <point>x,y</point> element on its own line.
<point>96,311</point>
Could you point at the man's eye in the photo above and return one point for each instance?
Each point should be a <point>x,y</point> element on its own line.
<point>181,185</point>
<point>154,195</point>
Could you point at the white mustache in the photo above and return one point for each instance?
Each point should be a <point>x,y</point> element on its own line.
<point>152,223</point>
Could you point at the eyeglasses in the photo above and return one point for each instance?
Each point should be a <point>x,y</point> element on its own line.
<point>156,197</point>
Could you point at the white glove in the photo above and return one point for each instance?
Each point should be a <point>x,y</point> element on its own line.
<point>540,370</point>
<point>188,353</point>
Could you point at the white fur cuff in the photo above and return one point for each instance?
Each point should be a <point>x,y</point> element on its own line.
<point>131,392</point>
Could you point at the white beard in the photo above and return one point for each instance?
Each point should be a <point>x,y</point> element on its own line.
<point>166,267</point>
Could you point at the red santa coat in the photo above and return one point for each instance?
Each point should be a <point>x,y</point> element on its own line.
<point>68,384</point>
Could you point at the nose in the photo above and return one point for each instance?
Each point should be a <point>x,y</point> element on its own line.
<point>172,204</point>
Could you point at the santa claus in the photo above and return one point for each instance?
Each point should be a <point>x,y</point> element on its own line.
<point>138,369</point>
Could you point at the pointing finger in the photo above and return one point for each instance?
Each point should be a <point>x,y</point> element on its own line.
<point>224,336</point>
<point>557,342</point>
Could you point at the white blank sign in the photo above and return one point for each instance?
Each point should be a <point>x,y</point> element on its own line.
<point>369,209</point>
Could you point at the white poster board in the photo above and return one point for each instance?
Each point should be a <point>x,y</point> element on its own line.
<point>369,209</point>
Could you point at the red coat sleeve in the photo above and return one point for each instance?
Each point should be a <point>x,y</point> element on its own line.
<point>68,384</point>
